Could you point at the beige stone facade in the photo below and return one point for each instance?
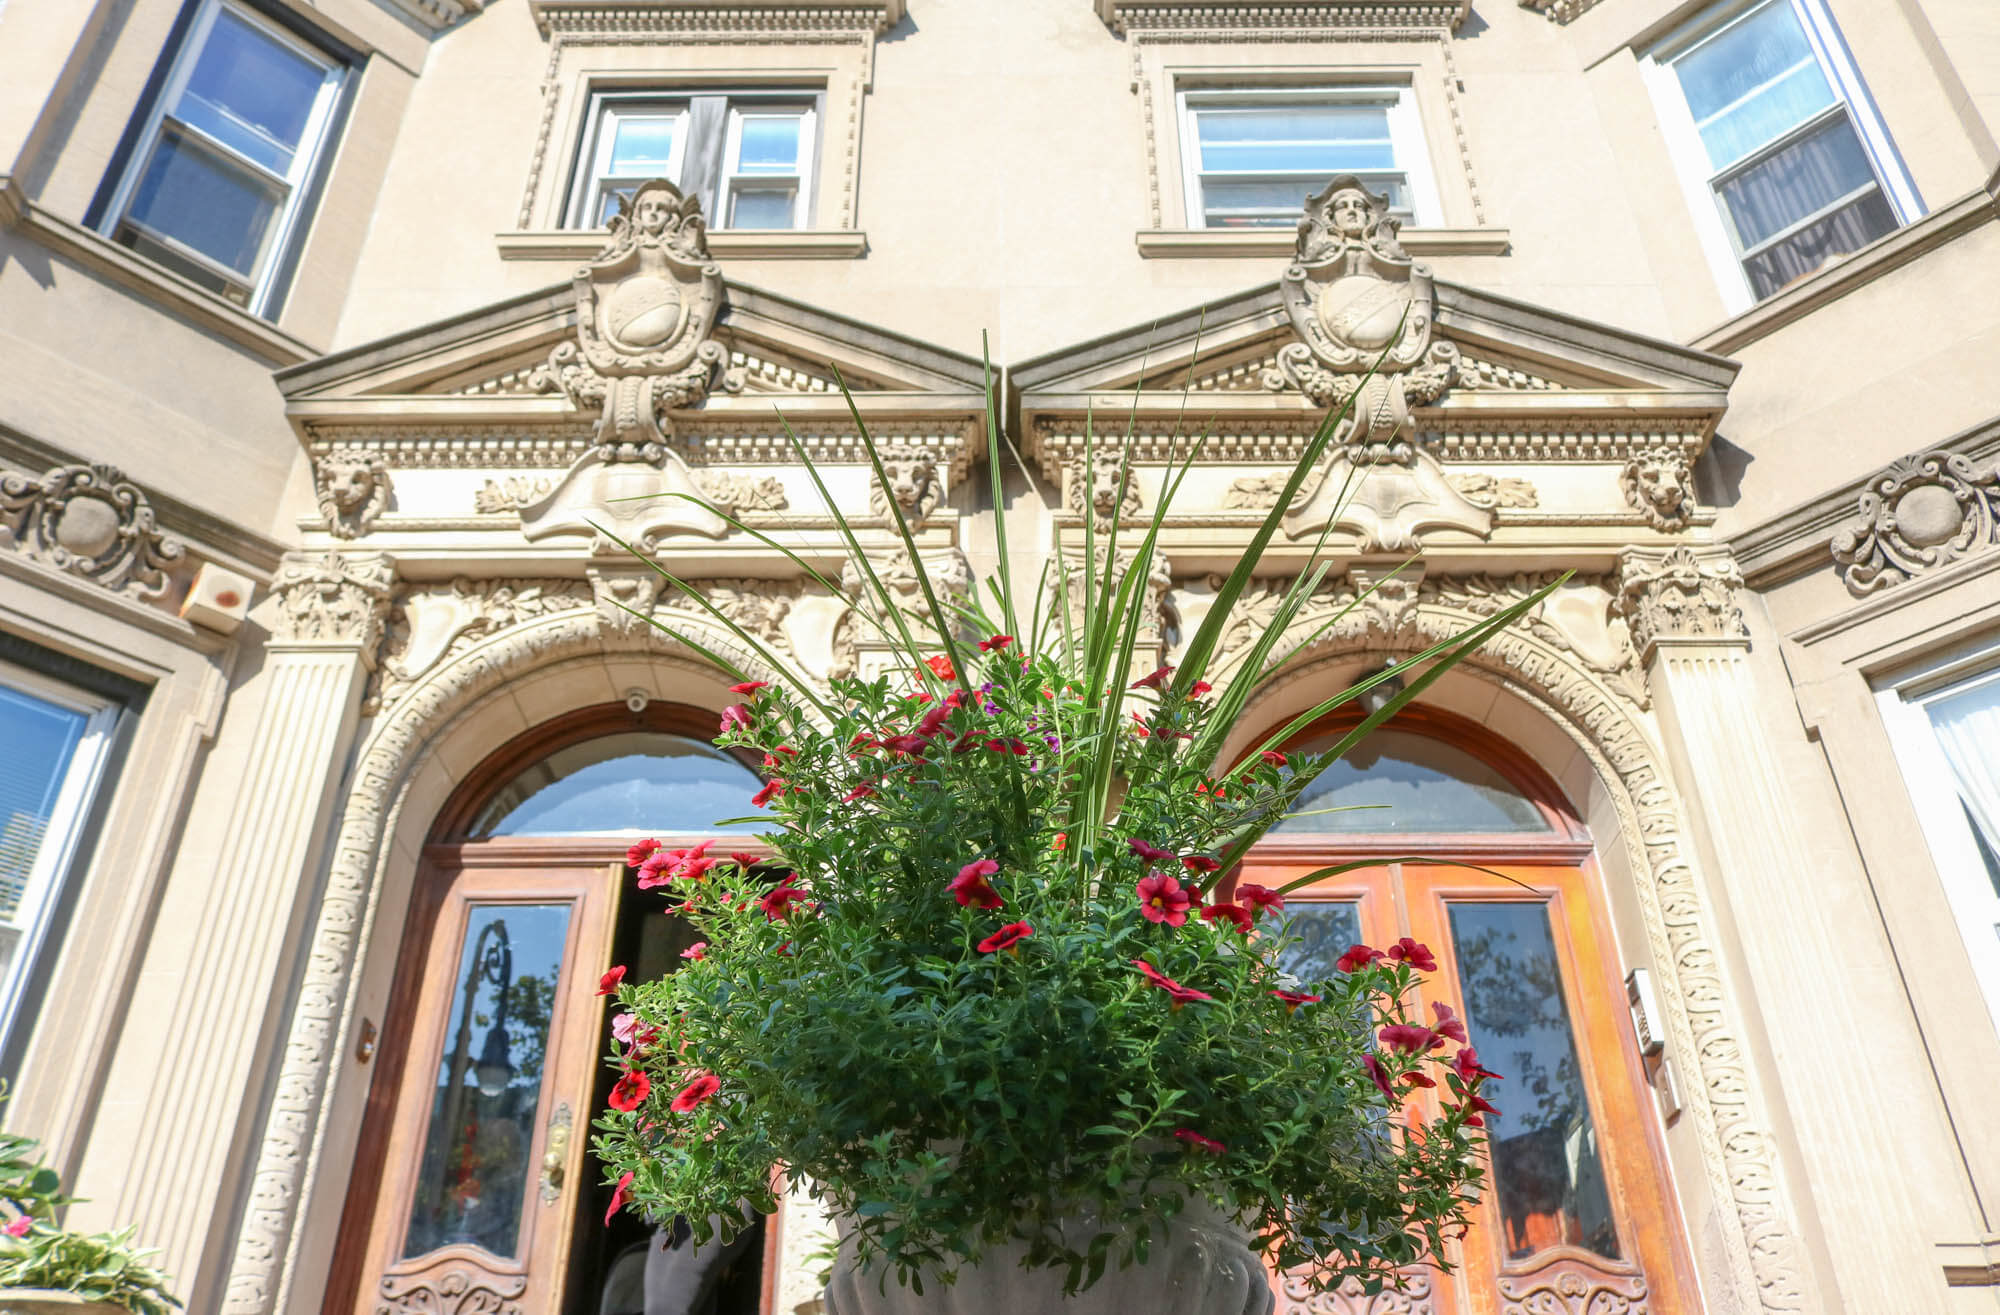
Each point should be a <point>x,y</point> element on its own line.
<point>351,543</point>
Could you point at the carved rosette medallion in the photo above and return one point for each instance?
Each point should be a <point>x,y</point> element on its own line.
<point>1677,595</point>
<point>334,599</point>
<point>353,490</point>
<point>1920,513</point>
<point>91,522</point>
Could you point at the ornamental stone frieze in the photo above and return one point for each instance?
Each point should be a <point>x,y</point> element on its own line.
<point>90,522</point>
<point>1920,513</point>
<point>1677,595</point>
<point>335,599</point>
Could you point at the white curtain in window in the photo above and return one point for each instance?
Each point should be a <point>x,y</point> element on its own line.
<point>1968,728</point>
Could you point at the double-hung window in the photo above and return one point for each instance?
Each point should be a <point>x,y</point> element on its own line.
<point>1776,138</point>
<point>1251,156</point>
<point>747,155</point>
<point>216,187</point>
<point>1945,725</point>
<point>58,739</point>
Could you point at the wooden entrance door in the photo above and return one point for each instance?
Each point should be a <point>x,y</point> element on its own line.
<point>1578,1212</point>
<point>482,1133</point>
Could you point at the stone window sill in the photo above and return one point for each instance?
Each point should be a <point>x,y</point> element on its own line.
<point>572,244</point>
<point>173,293</point>
<point>1863,267</point>
<point>1276,243</point>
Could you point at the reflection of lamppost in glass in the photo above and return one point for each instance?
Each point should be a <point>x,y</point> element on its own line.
<point>494,964</point>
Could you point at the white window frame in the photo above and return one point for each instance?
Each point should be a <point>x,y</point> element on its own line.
<point>61,835</point>
<point>607,105</point>
<point>1406,137</point>
<point>1934,793</point>
<point>278,238</point>
<point>1690,158</point>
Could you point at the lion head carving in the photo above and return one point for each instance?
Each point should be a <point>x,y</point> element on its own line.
<point>1658,483</point>
<point>353,491</point>
<point>913,483</point>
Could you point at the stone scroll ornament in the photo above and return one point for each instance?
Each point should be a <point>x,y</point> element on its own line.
<point>1358,302</point>
<point>91,522</point>
<point>646,308</point>
<point>1920,513</point>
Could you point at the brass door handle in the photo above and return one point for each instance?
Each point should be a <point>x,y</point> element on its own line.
<point>555,1155</point>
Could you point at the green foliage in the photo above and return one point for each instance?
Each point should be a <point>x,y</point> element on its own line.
<point>101,1266</point>
<point>852,1022</point>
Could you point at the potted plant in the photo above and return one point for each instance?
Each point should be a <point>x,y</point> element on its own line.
<point>988,991</point>
<point>46,1271</point>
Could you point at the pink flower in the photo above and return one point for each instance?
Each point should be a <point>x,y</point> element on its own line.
<point>608,984</point>
<point>995,644</point>
<point>772,789</point>
<point>1410,1038</point>
<point>1161,899</point>
<point>1234,914</point>
<point>1151,853</point>
<point>1416,955</point>
<point>777,902</point>
<point>619,1196</point>
<point>1154,681</point>
<point>1273,757</point>
<point>1378,1075</point>
<point>697,952</point>
<point>639,852</point>
<point>1356,958</point>
<point>630,1090</point>
<point>1293,999</point>
<point>749,687</point>
<point>1259,899</point>
<point>696,1092</point>
<point>969,886</point>
<point>1179,994</point>
<point>20,1226</point>
<point>1198,1142</point>
<point>1448,1025</point>
<point>1008,938</point>
<point>628,1030</point>
<point>1466,1064</point>
<point>735,717</point>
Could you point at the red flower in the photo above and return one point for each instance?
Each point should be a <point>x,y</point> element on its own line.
<point>1008,938</point>
<point>1161,899</point>
<point>914,745</point>
<point>1273,757</point>
<point>699,950</point>
<point>1466,1064</point>
<point>1140,727</point>
<point>969,886</point>
<point>1410,1038</point>
<point>934,720</point>
<point>995,644</point>
<point>921,697</point>
<point>1234,914</point>
<point>1356,958</point>
<point>618,1197</point>
<point>1477,1105</point>
<point>1199,863</point>
<point>1378,1075</point>
<point>1199,688</point>
<point>772,789</point>
<point>1259,899</point>
<point>1198,1142</point>
<point>656,863</point>
<point>696,1092</point>
<point>1417,956</point>
<point>749,687</point>
<point>858,792</point>
<point>1150,853</point>
<point>1417,1078</point>
<point>941,667</point>
<point>777,901</point>
<point>639,852</point>
<point>735,717</point>
<point>743,860</point>
<point>1448,1025</point>
<point>1293,999</point>
<point>1179,994</point>
<point>860,744</point>
<point>1061,842</point>
<point>631,1088</point>
<point>1154,681</point>
<point>608,983</point>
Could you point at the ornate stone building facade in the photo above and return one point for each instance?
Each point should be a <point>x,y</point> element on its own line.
<point>351,350</point>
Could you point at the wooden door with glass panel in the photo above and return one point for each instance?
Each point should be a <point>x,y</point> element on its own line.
<point>1578,1212</point>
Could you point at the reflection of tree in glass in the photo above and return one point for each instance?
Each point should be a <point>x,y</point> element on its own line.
<point>1322,934</point>
<point>1522,998</point>
<point>530,1000</point>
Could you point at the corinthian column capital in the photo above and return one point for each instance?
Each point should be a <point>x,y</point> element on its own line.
<point>333,600</point>
<point>1678,594</point>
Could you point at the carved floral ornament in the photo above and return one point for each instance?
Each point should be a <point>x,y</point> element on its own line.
<point>91,522</point>
<point>334,599</point>
<point>1920,513</point>
<point>1679,595</point>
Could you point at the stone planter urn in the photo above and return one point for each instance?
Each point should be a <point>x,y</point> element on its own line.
<point>49,1301</point>
<point>1205,1266</point>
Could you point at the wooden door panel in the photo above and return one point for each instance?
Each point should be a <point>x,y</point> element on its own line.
<point>484,1146</point>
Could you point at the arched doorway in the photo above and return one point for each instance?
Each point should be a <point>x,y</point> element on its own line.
<point>473,1186</point>
<point>1579,1207</point>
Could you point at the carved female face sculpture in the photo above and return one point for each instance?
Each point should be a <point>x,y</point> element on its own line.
<point>1351,213</point>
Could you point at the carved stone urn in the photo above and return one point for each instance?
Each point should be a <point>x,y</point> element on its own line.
<point>1205,1266</point>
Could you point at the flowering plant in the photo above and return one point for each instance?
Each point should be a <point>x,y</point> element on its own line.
<point>990,972</point>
